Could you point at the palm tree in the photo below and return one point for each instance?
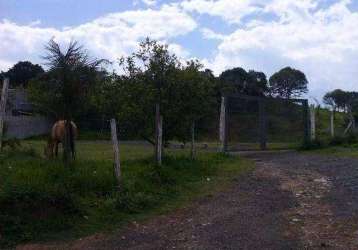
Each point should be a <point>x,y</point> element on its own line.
<point>71,72</point>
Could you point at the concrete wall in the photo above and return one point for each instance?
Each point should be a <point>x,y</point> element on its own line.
<point>22,127</point>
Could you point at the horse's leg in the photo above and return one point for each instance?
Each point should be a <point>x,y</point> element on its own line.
<point>56,148</point>
<point>73,151</point>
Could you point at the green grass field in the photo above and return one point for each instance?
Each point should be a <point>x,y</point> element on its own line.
<point>42,200</point>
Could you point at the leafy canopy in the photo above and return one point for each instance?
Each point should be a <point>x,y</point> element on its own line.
<point>63,89</point>
<point>21,73</point>
<point>237,80</point>
<point>288,83</point>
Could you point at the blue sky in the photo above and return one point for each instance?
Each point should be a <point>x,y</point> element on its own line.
<point>318,37</point>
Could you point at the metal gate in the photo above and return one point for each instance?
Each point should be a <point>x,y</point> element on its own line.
<point>253,123</point>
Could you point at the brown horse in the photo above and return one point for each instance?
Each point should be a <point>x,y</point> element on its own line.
<point>57,136</point>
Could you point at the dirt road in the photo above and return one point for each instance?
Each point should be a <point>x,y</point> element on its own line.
<point>291,201</point>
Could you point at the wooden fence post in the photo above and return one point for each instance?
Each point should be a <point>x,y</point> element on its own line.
<point>313,122</point>
<point>223,124</point>
<point>117,164</point>
<point>192,151</point>
<point>332,124</point>
<point>3,102</point>
<point>158,135</point>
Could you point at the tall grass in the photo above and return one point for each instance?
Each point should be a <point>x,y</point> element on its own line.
<point>42,199</point>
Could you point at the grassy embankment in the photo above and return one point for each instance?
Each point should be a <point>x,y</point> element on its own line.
<point>42,200</point>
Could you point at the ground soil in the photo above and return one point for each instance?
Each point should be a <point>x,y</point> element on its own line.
<point>290,201</point>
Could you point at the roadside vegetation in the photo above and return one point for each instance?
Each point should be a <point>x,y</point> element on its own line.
<point>347,150</point>
<point>43,200</point>
<point>48,199</point>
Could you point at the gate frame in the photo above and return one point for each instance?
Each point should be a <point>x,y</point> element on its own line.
<point>262,126</point>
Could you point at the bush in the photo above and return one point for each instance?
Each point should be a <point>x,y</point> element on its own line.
<point>337,141</point>
<point>315,144</point>
<point>344,140</point>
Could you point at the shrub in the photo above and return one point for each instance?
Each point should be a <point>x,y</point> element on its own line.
<point>337,141</point>
<point>315,144</point>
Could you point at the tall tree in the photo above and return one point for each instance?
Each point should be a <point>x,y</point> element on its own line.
<point>154,67</point>
<point>337,99</point>
<point>288,83</point>
<point>237,80</point>
<point>183,94</point>
<point>66,84</point>
<point>22,72</point>
<point>192,98</point>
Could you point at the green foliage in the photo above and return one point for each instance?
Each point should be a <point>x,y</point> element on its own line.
<point>237,80</point>
<point>312,145</point>
<point>337,99</point>
<point>21,73</point>
<point>349,139</point>
<point>155,76</point>
<point>43,199</point>
<point>288,83</point>
<point>63,91</point>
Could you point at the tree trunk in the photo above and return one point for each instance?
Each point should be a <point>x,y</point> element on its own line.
<point>158,135</point>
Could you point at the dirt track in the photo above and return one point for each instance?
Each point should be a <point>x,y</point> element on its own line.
<point>291,201</point>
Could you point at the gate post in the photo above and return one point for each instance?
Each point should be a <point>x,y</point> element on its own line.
<point>223,124</point>
<point>332,124</point>
<point>306,122</point>
<point>262,125</point>
<point>313,122</point>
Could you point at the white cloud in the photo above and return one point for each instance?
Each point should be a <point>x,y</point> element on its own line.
<point>150,2</point>
<point>230,10</point>
<point>110,36</point>
<point>5,65</point>
<point>269,35</point>
<point>210,34</point>
<point>320,42</point>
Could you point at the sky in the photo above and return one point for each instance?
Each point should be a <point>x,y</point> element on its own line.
<point>318,37</point>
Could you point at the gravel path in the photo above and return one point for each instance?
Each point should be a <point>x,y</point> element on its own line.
<point>291,201</point>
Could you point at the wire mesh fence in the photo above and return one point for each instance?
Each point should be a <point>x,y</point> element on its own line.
<point>259,123</point>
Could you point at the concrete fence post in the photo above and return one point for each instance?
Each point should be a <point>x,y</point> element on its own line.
<point>4,94</point>
<point>332,124</point>
<point>313,122</point>
<point>223,124</point>
<point>117,164</point>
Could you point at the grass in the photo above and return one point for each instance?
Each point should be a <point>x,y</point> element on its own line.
<point>42,200</point>
<point>339,151</point>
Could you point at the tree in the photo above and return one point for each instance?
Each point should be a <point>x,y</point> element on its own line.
<point>346,101</point>
<point>237,80</point>
<point>258,83</point>
<point>192,98</point>
<point>184,93</point>
<point>288,83</point>
<point>337,99</point>
<point>64,87</point>
<point>153,67</point>
<point>22,72</point>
